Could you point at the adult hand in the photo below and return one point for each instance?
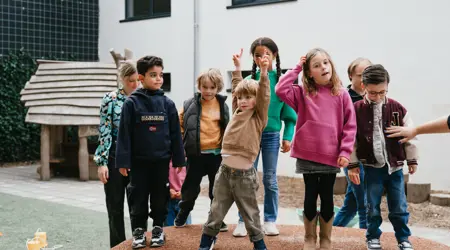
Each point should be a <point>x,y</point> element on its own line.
<point>103,174</point>
<point>407,132</point>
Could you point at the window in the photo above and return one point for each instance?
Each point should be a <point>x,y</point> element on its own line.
<point>166,85</point>
<point>146,9</point>
<point>247,3</point>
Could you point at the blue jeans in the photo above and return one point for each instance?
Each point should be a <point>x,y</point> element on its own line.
<point>355,201</point>
<point>270,146</point>
<point>376,180</point>
<point>173,209</point>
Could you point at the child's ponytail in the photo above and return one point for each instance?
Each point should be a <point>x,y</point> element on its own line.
<point>254,70</point>
<point>278,66</point>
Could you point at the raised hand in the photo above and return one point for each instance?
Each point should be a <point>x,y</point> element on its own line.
<point>237,60</point>
<point>263,62</point>
<point>302,61</point>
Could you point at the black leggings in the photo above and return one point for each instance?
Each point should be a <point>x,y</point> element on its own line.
<point>315,185</point>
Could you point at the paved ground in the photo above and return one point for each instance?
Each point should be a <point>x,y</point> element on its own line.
<point>23,182</point>
<point>72,227</point>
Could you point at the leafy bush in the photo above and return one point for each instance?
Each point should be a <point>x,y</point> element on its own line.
<point>19,141</point>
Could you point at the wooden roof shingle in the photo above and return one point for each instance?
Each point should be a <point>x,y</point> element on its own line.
<point>68,93</point>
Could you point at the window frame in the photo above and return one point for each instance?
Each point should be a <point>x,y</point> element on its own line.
<point>150,16</point>
<point>259,2</point>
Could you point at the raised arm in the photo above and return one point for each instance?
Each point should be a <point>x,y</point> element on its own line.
<point>236,78</point>
<point>263,94</point>
<point>286,90</point>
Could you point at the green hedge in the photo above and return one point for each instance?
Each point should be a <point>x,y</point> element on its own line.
<point>19,141</point>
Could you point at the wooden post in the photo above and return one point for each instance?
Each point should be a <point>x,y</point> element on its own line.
<point>83,155</point>
<point>45,153</point>
<point>53,144</point>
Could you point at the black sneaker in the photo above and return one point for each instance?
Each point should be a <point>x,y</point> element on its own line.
<point>138,238</point>
<point>405,245</point>
<point>207,242</point>
<point>259,245</point>
<point>158,237</point>
<point>180,220</point>
<point>374,244</point>
<point>224,227</point>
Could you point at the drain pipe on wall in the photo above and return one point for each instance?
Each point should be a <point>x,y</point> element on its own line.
<point>196,50</point>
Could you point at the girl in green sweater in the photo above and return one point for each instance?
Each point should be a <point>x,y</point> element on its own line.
<point>270,141</point>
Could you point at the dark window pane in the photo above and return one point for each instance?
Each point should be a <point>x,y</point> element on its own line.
<point>167,82</point>
<point>161,6</point>
<point>141,7</point>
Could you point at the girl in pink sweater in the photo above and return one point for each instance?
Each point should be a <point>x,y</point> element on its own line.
<point>324,136</point>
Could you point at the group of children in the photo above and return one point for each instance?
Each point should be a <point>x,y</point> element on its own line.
<point>331,133</point>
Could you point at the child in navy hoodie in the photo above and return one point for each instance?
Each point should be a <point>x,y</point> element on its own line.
<point>149,136</point>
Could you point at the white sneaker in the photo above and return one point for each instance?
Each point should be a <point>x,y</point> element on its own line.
<point>240,230</point>
<point>271,229</point>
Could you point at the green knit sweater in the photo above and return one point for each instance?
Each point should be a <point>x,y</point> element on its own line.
<point>278,110</point>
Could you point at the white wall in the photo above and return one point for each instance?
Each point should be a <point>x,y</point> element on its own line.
<point>409,37</point>
<point>170,38</point>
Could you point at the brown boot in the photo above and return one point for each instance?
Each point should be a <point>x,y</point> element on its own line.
<point>310,233</point>
<point>325,233</point>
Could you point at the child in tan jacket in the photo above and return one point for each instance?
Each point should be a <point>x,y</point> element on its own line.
<point>236,180</point>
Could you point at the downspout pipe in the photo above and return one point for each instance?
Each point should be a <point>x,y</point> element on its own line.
<point>196,42</point>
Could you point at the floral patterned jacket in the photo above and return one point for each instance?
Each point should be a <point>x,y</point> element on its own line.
<point>110,110</point>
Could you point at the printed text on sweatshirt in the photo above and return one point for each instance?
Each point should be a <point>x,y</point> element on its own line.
<point>326,124</point>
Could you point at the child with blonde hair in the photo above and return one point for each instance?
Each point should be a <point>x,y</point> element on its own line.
<point>324,136</point>
<point>115,185</point>
<point>237,180</point>
<point>355,197</point>
<point>203,120</point>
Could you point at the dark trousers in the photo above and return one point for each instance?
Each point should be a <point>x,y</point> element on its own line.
<point>115,190</point>
<point>148,179</point>
<point>315,185</point>
<point>199,166</point>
